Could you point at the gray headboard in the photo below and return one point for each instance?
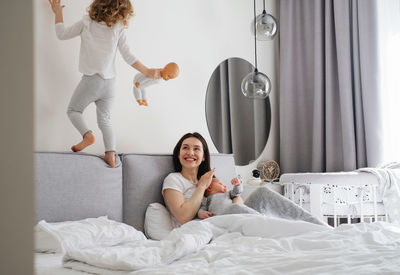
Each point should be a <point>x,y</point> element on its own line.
<point>73,186</point>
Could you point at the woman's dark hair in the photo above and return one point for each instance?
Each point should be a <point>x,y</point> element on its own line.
<point>204,166</point>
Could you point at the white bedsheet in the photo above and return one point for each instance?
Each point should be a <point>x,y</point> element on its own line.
<point>51,264</point>
<point>251,244</point>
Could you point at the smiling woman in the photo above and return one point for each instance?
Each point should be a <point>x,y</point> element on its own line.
<point>183,190</point>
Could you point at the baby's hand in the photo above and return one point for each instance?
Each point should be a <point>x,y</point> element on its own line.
<point>153,73</point>
<point>205,215</point>
<point>235,181</point>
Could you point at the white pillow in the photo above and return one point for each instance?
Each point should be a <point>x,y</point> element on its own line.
<point>158,221</point>
<point>55,237</point>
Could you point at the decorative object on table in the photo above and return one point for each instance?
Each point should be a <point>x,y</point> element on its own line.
<point>256,84</point>
<point>266,26</point>
<point>255,179</point>
<point>270,170</point>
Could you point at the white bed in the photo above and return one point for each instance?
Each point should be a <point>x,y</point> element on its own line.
<point>244,244</point>
<point>50,264</point>
<point>230,244</point>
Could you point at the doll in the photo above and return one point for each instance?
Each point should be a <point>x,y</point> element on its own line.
<point>218,200</point>
<point>140,82</point>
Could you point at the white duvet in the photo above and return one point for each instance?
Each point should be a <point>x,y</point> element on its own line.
<point>240,244</point>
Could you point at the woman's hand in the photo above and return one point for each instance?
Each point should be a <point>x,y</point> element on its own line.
<point>205,179</point>
<point>205,215</point>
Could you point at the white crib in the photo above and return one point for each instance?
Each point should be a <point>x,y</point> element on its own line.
<point>336,197</point>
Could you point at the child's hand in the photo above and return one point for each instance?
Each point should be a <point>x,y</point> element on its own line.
<point>235,181</point>
<point>153,73</point>
<point>205,215</point>
<point>56,6</point>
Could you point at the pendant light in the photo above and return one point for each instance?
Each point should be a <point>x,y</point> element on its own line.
<point>266,26</point>
<point>256,85</point>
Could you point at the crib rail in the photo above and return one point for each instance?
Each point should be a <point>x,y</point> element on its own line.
<point>355,208</point>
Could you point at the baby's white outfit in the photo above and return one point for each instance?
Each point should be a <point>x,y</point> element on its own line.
<point>98,49</point>
<point>144,81</point>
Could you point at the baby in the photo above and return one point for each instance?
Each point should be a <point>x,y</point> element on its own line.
<point>218,201</point>
<point>141,81</point>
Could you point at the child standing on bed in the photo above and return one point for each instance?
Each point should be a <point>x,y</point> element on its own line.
<point>102,31</point>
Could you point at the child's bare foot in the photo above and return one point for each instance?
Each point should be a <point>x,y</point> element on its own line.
<point>88,139</point>
<point>109,157</point>
<point>139,101</point>
<point>144,102</point>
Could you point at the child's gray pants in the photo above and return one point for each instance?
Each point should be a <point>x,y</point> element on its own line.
<point>93,88</point>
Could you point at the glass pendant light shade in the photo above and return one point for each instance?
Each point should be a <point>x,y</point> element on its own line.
<point>266,26</point>
<point>256,85</point>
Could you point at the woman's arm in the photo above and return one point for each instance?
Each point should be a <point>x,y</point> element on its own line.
<point>185,211</point>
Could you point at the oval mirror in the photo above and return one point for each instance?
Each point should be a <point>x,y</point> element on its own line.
<point>238,125</point>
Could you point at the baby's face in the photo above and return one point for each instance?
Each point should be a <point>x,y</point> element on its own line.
<point>170,71</point>
<point>217,186</point>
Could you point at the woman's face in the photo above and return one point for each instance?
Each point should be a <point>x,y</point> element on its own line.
<point>191,153</point>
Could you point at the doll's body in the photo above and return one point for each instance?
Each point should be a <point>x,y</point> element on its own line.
<point>141,82</point>
<point>218,199</point>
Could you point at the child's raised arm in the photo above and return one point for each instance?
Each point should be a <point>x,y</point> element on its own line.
<point>152,73</point>
<point>62,32</point>
<point>57,9</point>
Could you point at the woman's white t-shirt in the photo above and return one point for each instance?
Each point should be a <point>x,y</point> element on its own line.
<point>178,182</point>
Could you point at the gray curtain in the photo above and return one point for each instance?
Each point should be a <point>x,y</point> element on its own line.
<point>330,117</point>
<point>237,124</point>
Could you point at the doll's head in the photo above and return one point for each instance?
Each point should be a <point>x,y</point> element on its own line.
<point>216,186</point>
<point>170,71</point>
<point>111,11</point>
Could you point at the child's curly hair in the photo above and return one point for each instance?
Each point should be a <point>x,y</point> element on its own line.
<point>111,11</point>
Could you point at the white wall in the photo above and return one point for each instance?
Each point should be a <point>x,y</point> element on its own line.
<point>196,34</point>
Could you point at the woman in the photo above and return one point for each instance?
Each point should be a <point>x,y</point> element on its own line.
<point>183,190</point>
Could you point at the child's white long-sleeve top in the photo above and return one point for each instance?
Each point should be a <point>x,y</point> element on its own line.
<point>99,45</point>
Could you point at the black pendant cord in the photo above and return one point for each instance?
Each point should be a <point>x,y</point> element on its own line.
<point>264,7</point>
<point>255,37</point>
